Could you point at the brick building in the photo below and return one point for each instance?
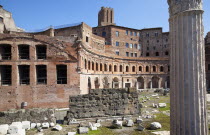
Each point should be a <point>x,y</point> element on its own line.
<point>41,69</point>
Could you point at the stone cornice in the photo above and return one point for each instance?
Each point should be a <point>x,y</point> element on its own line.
<point>178,6</point>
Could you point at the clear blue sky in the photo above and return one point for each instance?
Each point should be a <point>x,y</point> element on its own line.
<point>38,14</point>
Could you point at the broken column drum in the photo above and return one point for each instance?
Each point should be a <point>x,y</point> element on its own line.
<point>188,88</point>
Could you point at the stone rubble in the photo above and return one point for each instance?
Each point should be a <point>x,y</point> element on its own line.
<point>155,126</point>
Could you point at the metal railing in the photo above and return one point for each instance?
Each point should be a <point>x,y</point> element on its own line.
<point>41,56</point>
<point>42,80</point>
<point>62,80</point>
<point>6,82</point>
<point>25,81</point>
<point>6,56</point>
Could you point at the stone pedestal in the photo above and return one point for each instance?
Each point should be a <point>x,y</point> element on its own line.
<point>188,88</point>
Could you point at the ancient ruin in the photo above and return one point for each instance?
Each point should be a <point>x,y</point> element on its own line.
<point>188,82</point>
<point>104,102</point>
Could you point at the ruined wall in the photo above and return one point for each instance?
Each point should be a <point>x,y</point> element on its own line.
<point>103,102</point>
<point>32,115</point>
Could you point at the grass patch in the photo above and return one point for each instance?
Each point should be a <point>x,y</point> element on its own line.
<point>101,131</point>
<point>164,120</point>
<point>166,108</point>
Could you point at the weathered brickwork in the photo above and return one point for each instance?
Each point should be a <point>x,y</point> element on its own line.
<point>103,102</point>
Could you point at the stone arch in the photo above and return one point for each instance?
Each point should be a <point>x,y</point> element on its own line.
<point>105,67</point>
<point>115,68</point>
<point>93,67</point>
<point>121,68</point>
<point>140,83</point>
<point>88,65</point>
<point>161,68</point>
<point>147,69</point>
<point>97,83</point>
<point>85,64</point>
<point>155,82</point>
<point>96,66</point>
<point>127,68</point>
<point>105,82</point>
<point>101,67</point>
<point>115,82</point>
<point>110,68</point>
<point>133,69</point>
<point>154,69</point>
<point>89,84</point>
<point>140,68</point>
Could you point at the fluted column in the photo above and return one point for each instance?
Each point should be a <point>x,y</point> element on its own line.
<point>188,88</point>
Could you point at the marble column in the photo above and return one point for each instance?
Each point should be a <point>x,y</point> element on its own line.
<point>188,82</point>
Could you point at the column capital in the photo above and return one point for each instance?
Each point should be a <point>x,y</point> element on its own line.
<point>178,6</point>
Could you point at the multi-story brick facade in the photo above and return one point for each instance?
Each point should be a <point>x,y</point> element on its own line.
<point>42,69</point>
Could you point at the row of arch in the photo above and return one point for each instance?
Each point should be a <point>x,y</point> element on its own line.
<point>140,83</point>
<point>108,67</point>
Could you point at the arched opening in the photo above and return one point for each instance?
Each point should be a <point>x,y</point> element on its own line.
<point>115,68</point>
<point>110,68</point>
<point>147,68</point>
<point>93,66</point>
<point>155,82</point>
<point>140,68</point>
<point>5,52</point>
<point>105,82</point>
<point>41,51</point>
<point>154,68</point>
<point>96,66</point>
<point>24,51</point>
<point>115,83</point>
<point>127,69</point>
<point>140,83</point>
<point>121,68</point>
<point>97,84</point>
<point>105,67</point>
<point>166,53</point>
<point>88,65</point>
<point>101,67</point>
<point>133,69</point>
<point>85,64</point>
<point>157,53</point>
<point>89,84</point>
<point>161,69</point>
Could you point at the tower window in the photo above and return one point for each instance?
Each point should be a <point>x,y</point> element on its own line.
<point>103,34</point>
<point>117,33</point>
<point>135,46</point>
<point>117,43</point>
<point>166,53</point>
<point>127,54</point>
<point>126,32</point>
<point>147,54</point>
<point>127,45</point>
<point>131,54</point>
<point>131,45</point>
<point>117,53</point>
<point>157,53</point>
